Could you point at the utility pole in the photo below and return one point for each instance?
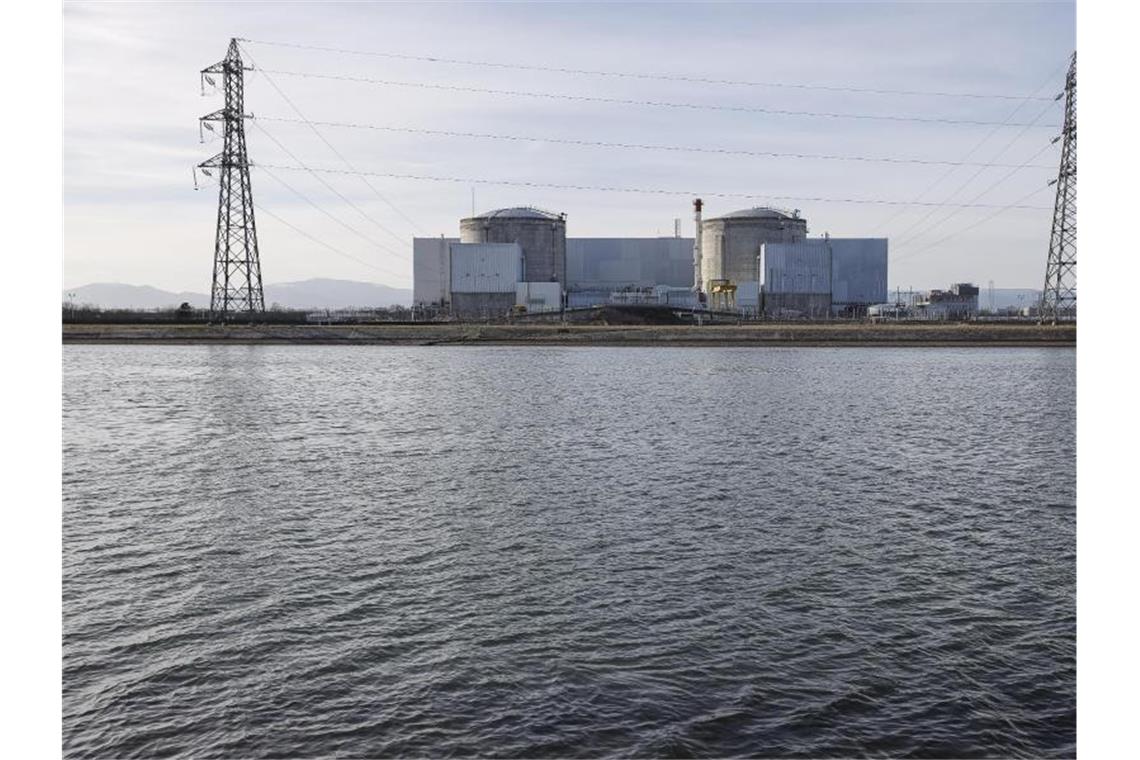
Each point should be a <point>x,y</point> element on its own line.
<point>237,267</point>
<point>1059,297</point>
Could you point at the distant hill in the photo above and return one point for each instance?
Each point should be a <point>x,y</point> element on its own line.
<point>335,294</point>
<point>1005,298</point>
<point>307,294</point>
<point>115,295</point>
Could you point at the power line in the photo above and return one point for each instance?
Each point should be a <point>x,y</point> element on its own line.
<point>213,182</point>
<point>978,223</point>
<point>642,146</point>
<point>320,242</point>
<point>346,226</point>
<point>644,76</point>
<point>330,146</point>
<point>334,249</point>
<point>656,103</point>
<point>985,192</point>
<point>976,147</point>
<point>332,189</point>
<point>641,190</point>
<point>974,176</point>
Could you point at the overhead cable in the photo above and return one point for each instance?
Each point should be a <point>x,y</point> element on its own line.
<point>975,175</point>
<point>642,146</point>
<point>329,214</point>
<point>332,189</point>
<point>640,190</point>
<point>645,76</point>
<point>945,175</point>
<point>330,146</point>
<point>978,223</point>
<point>980,195</point>
<point>633,102</point>
<point>320,242</point>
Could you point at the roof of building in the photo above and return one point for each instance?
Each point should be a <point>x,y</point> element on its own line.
<point>760,212</point>
<point>519,212</point>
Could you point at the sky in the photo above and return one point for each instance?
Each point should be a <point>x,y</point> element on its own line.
<point>133,95</point>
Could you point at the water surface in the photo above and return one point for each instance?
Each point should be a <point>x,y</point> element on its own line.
<point>522,551</point>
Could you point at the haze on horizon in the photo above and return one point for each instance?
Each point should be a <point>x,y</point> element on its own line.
<point>132,102</point>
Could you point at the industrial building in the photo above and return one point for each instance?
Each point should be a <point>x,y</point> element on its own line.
<point>753,262</point>
<point>760,261</point>
<point>958,303</point>
<point>504,258</point>
<point>822,277</point>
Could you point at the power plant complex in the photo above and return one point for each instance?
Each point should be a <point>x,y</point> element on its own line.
<point>751,263</point>
<point>756,262</point>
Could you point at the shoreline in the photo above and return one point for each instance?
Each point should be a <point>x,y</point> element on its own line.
<point>458,334</point>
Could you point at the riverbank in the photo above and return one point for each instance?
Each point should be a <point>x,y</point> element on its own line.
<point>819,334</point>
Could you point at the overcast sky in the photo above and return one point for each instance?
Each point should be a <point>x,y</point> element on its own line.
<point>132,101</point>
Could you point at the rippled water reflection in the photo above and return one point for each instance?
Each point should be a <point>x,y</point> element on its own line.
<point>300,551</point>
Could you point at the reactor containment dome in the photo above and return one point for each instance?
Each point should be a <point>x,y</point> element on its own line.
<point>731,243</point>
<point>540,234</point>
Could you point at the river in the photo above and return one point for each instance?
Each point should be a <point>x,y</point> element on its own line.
<point>554,551</point>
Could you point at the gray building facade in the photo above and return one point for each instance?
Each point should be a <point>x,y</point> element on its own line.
<point>858,274</point>
<point>609,264</point>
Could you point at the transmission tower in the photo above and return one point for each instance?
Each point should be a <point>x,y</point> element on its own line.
<point>237,268</point>
<point>1059,297</point>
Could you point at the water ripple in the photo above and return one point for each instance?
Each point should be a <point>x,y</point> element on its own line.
<point>366,551</point>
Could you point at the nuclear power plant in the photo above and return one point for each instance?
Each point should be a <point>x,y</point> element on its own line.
<point>752,263</point>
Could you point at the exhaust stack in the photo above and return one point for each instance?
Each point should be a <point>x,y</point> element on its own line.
<point>697,284</point>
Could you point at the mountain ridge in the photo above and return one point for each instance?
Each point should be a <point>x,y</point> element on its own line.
<point>316,293</point>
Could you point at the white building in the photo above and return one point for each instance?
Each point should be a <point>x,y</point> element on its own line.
<point>431,271</point>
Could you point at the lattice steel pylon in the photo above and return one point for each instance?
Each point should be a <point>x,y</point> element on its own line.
<point>237,266</point>
<point>1059,297</point>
